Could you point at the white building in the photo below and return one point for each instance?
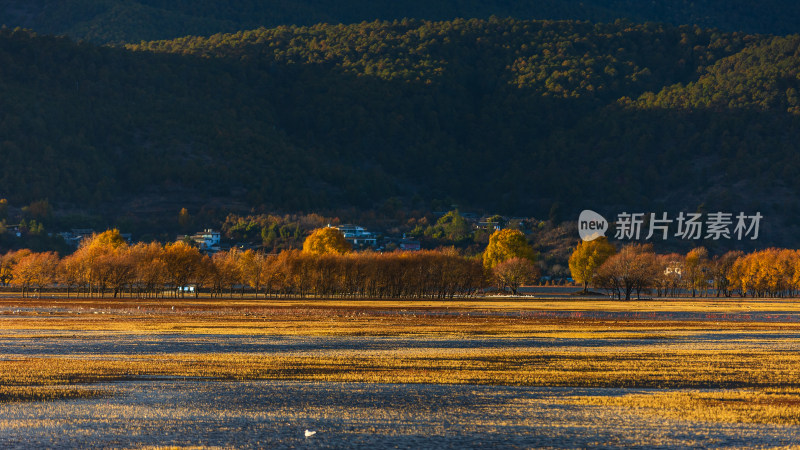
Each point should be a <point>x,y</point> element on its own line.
<point>358,236</point>
<point>207,241</point>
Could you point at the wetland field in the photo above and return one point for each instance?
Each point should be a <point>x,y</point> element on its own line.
<point>509,373</point>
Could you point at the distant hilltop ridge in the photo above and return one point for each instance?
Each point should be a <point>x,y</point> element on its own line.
<point>133,21</point>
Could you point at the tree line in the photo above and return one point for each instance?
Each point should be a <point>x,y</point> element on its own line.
<point>326,267</point>
<point>107,265</point>
<point>637,269</point>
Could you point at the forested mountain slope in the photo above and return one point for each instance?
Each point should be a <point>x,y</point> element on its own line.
<point>105,21</point>
<point>507,115</point>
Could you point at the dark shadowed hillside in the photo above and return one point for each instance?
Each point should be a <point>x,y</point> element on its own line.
<point>512,116</point>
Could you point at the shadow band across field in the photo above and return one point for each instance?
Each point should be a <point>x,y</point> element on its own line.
<point>275,414</point>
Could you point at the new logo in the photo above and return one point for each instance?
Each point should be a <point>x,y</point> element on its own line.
<point>591,225</point>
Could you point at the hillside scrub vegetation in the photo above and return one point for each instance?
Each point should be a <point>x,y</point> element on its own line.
<point>489,114</point>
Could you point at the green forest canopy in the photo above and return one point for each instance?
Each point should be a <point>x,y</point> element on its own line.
<point>505,114</point>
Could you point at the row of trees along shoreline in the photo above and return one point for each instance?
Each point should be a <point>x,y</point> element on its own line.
<point>326,267</point>
<point>637,269</point>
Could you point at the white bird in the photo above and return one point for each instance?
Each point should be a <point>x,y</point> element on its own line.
<point>310,433</point>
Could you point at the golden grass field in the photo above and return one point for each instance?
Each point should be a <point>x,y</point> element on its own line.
<point>699,368</point>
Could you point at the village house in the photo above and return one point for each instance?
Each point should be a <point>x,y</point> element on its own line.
<point>357,236</point>
<point>75,236</point>
<point>409,244</point>
<point>208,241</point>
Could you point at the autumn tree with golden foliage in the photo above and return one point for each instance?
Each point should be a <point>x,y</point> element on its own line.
<point>72,272</point>
<point>767,273</point>
<point>326,240</point>
<point>506,244</point>
<point>7,264</point>
<point>696,270</point>
<point>227,271</point>
<point>101,262</point>
<point>722,267</point>
<point>35,270</point>
<point>121,267</point>
<point>149,268</point>
<point>181,261</point>
<point>252,268</point>
<point>587,257</point>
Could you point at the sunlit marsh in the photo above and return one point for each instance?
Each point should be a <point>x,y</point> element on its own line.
<point>514,373</point>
